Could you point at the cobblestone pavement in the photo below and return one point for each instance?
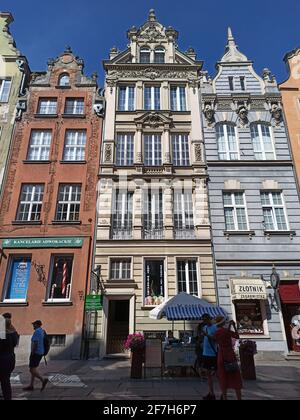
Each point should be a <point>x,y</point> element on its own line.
<point>110,380</point>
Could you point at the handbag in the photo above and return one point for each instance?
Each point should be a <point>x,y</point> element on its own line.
<point>231,367</point>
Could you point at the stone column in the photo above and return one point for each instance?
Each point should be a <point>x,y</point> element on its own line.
<point>168,213</point>
<point>139,95</point>
<point>138,146</point>
<point>137,212</point>
<point>165,96</point>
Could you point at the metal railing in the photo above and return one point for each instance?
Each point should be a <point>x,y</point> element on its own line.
<point>184,233</point>
<point>121,234</point>
<point>153,233</point>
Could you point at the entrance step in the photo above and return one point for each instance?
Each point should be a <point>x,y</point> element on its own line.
<point>119,356</point>
<point>293,356</point>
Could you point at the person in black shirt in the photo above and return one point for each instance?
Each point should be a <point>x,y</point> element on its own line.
<point>7,357</point>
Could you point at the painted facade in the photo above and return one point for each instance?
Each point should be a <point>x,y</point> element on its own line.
<point>48,212</point>
<point>253,196</point>
<point>14,74</point>
<point>153,237</point>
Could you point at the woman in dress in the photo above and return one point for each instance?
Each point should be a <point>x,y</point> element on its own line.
<point>228,370</point>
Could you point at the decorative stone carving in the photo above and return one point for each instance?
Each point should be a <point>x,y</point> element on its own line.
<point>242,112</point>
<point>150,73</point>
<point>198,152</point>
<point>152,34</point>
<point>108,153</point>
<point>209,113</point>
<point>276,112</point>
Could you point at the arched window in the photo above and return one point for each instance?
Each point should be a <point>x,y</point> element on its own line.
<point>64,80</point>
<point>159,56</point>
<point>263,145</point>
<point>227,141</point>
<point>145,55</point>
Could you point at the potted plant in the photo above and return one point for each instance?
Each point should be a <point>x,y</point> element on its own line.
<point>248,349</point>
<point>136,344</point>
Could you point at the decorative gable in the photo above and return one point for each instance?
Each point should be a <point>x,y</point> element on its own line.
<point>153,119</point>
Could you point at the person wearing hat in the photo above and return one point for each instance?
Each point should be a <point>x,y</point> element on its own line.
<point>229,374</point>
<point>210,352</point>
<point>7,356</point>
<point>37,353</point>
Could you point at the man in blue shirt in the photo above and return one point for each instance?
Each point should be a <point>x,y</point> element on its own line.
<point>37,353</point>
<point>209,354</point>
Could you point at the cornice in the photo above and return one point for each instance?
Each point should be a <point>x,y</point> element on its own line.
<point>255,163</point>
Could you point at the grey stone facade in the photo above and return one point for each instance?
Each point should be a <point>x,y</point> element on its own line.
<point>239,98</point>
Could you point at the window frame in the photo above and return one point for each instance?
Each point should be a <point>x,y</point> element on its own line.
<point>153,212</point>
<point>272,207</point>
<point>8,277</point>
<point>262,151</point>
<point>51,272</point>
<point>228,152</point>
<point>186,198</point>
<point>143,50</point>
<point>31,203</point>
<point>154,156</point>
<point>77,104</point>
<point>128,155</point>
<point>235,206</point>
<point>4,80</point>
<point>153,105</point>
<point>119,221</point>
<point>178,90</point>
<point>165,274</point>
<point>159,52</point>
<point>48,101</point>
<point>39,147</point>
<point>63,76</point>
<point>69,203</point>
<point>121,260</point>
<point>128,106</point>
<point>187,279</point>
<point>184,152</point>
<point>75,146</point>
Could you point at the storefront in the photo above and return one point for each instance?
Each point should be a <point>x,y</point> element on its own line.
<point>249,298</point>
<point>290,302</point>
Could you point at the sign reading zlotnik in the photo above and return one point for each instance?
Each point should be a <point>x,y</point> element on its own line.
<point>64,242</point>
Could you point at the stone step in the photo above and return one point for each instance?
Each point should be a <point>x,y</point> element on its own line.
<point>293,356</point>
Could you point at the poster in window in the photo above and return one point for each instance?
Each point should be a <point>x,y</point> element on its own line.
<point>20,273</point>
<point>154,283</point>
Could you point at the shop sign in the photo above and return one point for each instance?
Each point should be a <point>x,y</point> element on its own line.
<point>20,275</point>
<point>60,242</point>
<point>93,303</point>
<point>248,290</point>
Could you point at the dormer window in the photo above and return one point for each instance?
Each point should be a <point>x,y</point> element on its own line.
<point>145,56</point>
<point>159,56</point>
<point>64,80</point>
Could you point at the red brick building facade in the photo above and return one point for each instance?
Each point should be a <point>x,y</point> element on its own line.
<point>48,213</point>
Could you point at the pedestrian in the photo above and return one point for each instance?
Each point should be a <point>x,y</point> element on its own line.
<point>229,374</point>
<point>37,353</point>
<point>7,356</point>
<point>209,360</point>
<point>199,350</point>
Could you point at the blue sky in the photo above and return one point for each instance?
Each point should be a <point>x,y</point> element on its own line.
<point>264,29</point>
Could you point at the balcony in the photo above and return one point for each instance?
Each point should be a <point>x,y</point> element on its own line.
<point>122,234</point>
<point>187,233</point>
<point>156,234</point>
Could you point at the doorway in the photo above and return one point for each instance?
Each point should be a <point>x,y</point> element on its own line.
<point>289,311</point>
<point>118,326</point>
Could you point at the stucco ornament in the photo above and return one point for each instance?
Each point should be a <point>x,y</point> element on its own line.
<point>276,112</point>
<point>108,153</point>
<point>243,115</point>
<point>209,114</point>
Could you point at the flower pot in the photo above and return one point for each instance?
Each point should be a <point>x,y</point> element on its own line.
<point>137,364</point>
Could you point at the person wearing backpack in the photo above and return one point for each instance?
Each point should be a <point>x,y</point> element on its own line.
<point>38,351</point>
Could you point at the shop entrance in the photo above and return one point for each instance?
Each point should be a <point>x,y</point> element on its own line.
<point>118,326</point>
<point>290,302</point>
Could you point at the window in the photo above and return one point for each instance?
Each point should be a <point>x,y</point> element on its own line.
<point>64,80</point>
<point>125,150</point>
<point>242,82</point>
<point>152,148</point>
<point>275,217</point>
<point>4,90</point>
<point>74,106</point>
<point>159,56</point>
<point>75,144</point>
<point>57,340</point>
<point>47,106</point>
<point>249,317</point>
<point>122,215</point>
<point>152,98</point>
<point>154,282</point>
<point>39,146</point>
<point>187,277</point>
<point>68,206</point>
<point>178,98</point>
<point>235,211</point>
<point>183,215</point>
<point>126,98</point>
<point>153,214</point>
<point>30,204</point>
<point>60,278</point>
<point>262,142</point>
<point>17,279</point>
<point>231,83</point>
<point>227,142</point>
<point>181,149</point>
<point>145,56</point>
<point>120,269</point>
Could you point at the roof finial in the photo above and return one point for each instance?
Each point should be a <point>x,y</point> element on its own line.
<point>152,16</point>
<point>231,40</point>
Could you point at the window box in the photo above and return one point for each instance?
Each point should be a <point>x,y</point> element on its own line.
<point>239,233</point>
<point>280,233</point>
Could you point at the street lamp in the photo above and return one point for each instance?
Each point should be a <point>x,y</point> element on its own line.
<point>275,283</point>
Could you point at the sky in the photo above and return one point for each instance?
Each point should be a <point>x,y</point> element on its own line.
<point>265,30</point>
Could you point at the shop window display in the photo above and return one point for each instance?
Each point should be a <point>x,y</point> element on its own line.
<point>249,317</point>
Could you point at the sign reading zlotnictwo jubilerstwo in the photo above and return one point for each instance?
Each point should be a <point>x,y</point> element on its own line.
<point>2,328</point>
